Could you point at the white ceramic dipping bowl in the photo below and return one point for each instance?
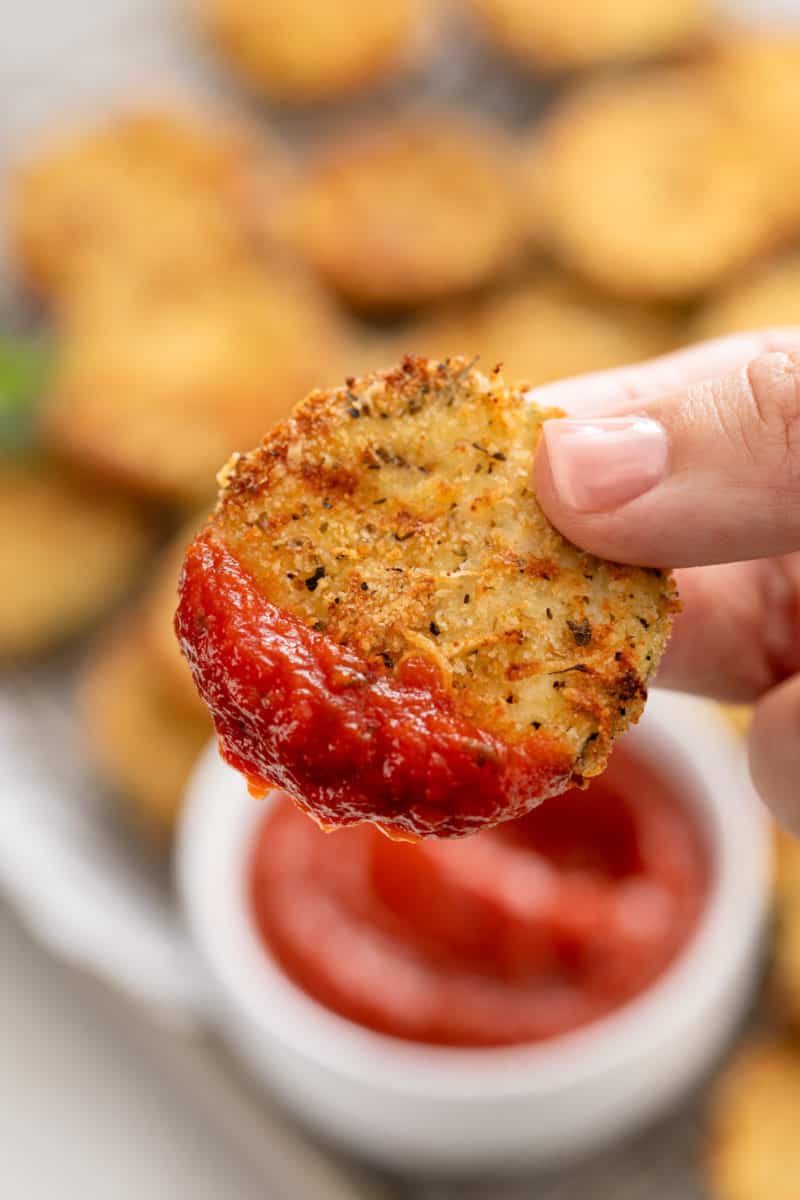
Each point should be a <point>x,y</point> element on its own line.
<point>423,1108</point>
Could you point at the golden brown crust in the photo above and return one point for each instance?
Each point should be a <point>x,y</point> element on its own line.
<point>68,552</point>
<point>403,214</point>
<point>541,330</point>
<point>142,743</point>
<point>301,51</point>
<point>157,384</point>
<point>652,193</point>
<point>396,515</point>
<point>753,1151</point>
<point>155,190</point>
<point>555,37</point>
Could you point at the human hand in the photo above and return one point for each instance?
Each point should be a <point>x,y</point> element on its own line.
<point>693,461</point>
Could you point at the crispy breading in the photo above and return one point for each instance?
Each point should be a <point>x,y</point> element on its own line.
<point>68,552</point>
<point>554,37</point>
<point>154,190</point>
<point>143,744</point>
<point>395,516</point>
<point>157,385</point>
<point>298,51</point>
<point>542,330</point>
<point>400,214</point>
<point>769,295</point>
<point>753,1151</point>
<point>652,192</point>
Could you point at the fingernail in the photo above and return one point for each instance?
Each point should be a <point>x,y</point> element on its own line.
<point>598,464</point>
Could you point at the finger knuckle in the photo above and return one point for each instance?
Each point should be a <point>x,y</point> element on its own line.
<point>771,420</point>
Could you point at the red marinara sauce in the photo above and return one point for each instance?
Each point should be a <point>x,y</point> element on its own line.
<point>517,934</point>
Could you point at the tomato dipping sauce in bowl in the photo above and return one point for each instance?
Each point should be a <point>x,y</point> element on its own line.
<point>517,934</point>
<point>512,999</point>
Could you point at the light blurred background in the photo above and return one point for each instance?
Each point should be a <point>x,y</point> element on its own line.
<point>209,207</point>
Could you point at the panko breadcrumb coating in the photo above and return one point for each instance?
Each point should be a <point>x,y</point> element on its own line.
<point>142,743</point>
<point>156,191</point>
<point>769,295</point>
<point>402,214</point>
<point>384,623</point>
<point>753,1151</point>
<point>558,37</point>
<point>542,330</point>
<point>157,385</point>
<point>651,188</point>
<point>300,51</point>
<point>68,552</point>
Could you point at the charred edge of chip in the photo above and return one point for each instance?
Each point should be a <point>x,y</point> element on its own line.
<point>630,686</point>
<point>581,631</point>
<point>313,579</point>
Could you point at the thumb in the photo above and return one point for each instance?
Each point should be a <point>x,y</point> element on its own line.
<point>705,475</point>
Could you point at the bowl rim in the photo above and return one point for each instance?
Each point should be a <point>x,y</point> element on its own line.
<point>215,835</point>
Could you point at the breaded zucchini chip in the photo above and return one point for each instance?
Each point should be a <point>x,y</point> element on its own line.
<point>143,744</point>
<point>555,37</point>
<point>404,214</point>
<point>300,51</point>
<point>383,622</point>
<point>768,296</point>
<point>753,1150</point>
<point>652,192</point>
<point>158,385</point>
<point>154,190</point>
<point>68,552</point>
<point>542,330</point>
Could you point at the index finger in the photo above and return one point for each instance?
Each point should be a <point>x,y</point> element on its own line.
<point>600,391</point>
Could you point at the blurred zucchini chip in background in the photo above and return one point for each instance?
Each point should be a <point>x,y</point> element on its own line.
<point>142,744</point>
<point>144,723</point>
<point>557,37</point>
<point>651,191</point>
<point>540,330</point>
<point>785,973</point>
<point>403,213</point>
<point>753,1151</point>
<point>769,295</point>
<point>68,552</point>
<point>758,74</point>
<point>157,385</point>
<point>300,51</point>
<point>156,191</point>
